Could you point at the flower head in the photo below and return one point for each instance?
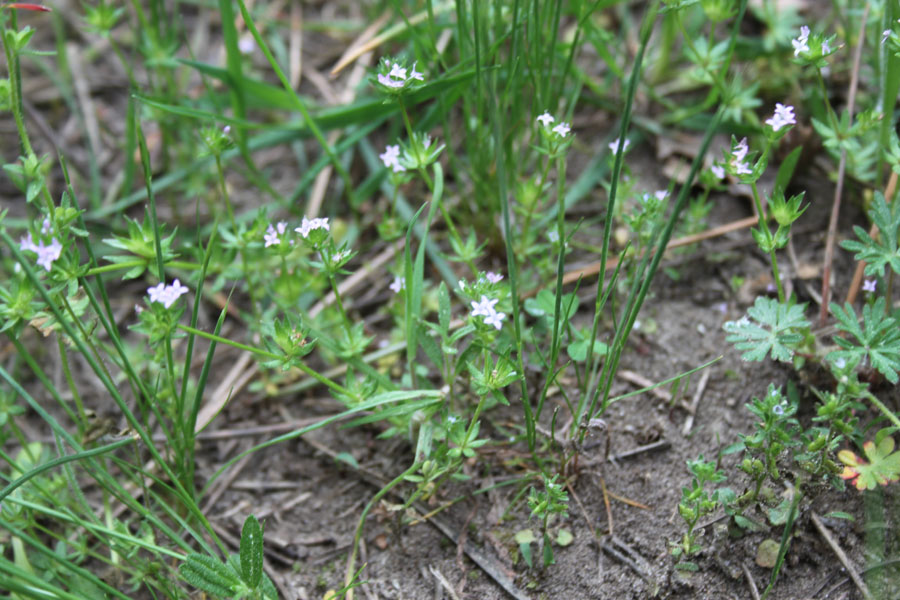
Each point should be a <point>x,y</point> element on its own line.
<point>396,77</point>
<point>166,294</point>
<point>718,171</point>
<point>801,44</point>
<point>495,319</point>
<point>493,277</point>
<point>46,254</point>
<point>546,119</point>
<point>869,285</point>
<point>738,154</point>
<point>784,115</point>
<point>391,158</point>
<point>562,130</point>
<point>485,307</point>
<point>273,235</point>
<point>308,225</point>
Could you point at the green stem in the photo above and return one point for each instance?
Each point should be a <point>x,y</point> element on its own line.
<point>764,226</point>
<point>67,373</point>
<point>175,264</point>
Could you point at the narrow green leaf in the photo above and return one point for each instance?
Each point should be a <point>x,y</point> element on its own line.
<point>210,575</point>
<point>252,552</point>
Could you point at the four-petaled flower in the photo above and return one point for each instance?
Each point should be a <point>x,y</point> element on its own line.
<point>495,319</point>
<point>718,171</point>
<point>312,224</point>
<point>869,285</point>
<point>826,49</point>
<point>562,130</point>
<point>801,44</point>
<point>273,235</point>
<point>784,115</point>
<point>46,254</point>
<point>485,307</point>
<point>397,77</point>
<point>398,284</point>
<point>167,294</point>
<point>493,277</point>
<point>391,158</point>
<point>546,119</point>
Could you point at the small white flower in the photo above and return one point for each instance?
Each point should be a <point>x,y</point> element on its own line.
<point>546,119</point>
<point>562,130</point>
<point>869,285</point>
<point>737,158</point>
<point>397,72</point>
<point>45,226</point>
<point>483,308</point>
<point>826,49</point>
<point>308,225</point>
<point>661,194</point>
<point>391,158</point>
<point>778,410</point>
<point>553,236</point>
<point>784,115</point>
<point>801,43</point>
<point>493,277</point>
<point>495,319</point>
<point>840,363</point>
<point>398,284</point>
<point>156,292</point>
<point>885,35</point>
<point>272,235</point>
<point>167,294</point>
<point>614,145</point>
<point>718,171</point>
<point>416,75</point>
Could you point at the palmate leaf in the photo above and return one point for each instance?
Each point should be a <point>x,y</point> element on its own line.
<point>883,465</point>
<point>878,340</point>
<point>768,327</point>
<point>881,252</point>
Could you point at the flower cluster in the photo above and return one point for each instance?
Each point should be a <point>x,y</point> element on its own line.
<point>273,234</point>
<point>738,159</point>
<point>46,253</point>
<point>485,308</point>
<point>394,78</point>
<point>801,44</point>
<point>167,294</point>
<point>391,158</point>
<point>561,130</point>
<point>784,115</point>
<point>310,225</point>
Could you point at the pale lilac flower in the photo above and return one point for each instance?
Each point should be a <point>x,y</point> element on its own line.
<point>546,119</point>
<point>26,242</point>
<point>45,226</point>
<point>415,74</point>
<point>801,43</point>
<point>784,115</point>
<point>738,154</point>
<point>826,49</point>
<point>718,171</point>
<point>493,277</point>
<point>397,72</point>
<point>614,145</point>
<point>386,80</point>
<point>840,363</point>
<point>485,307</point>
<point>661,194</point>
<point>167,294</point>
<point>48,254</point>
<point>391,158</point>
<point>310,225</point>
<point>495,319</point>
<point>246,45</point>
<point>273,234</point>
<point>226,130</point>
<point>562,130</point>
<point>885,35</point>
<point>398,284</point>
<point>869,285</point>
<point>778,410</point>
<point>553,236</point>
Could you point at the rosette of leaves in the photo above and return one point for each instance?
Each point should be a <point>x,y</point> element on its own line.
<point>288,340</point>
<point>140,243</point>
